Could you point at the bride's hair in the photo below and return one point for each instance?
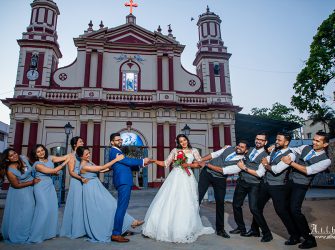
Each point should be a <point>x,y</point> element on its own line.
<point>178,144</point>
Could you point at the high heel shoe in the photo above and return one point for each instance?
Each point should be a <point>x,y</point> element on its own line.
<point>137,223</point>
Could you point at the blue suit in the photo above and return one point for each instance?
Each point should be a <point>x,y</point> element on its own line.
<point>123,181</point>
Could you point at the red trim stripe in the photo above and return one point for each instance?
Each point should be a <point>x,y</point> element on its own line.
<point>32,136</point>
<point>160,149</point>
<point>212,77</point>
<point>96,143</point>
<point>159,73</point>
<point>216,138</point>
<point>222,79</point>
<point>87,70</point>
<point>18,137</point>
<point>40,69</point>
<point>99,69</point>
<point>227,135</point>
<point>83,131</point>
<point>171,75</point>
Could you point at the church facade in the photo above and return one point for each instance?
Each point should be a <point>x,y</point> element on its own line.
<point>125,79</point>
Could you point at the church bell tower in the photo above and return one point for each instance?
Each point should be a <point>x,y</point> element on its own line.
<point>212,59</point>
<point>39,49</point>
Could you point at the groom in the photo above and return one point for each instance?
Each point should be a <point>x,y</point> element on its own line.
<point>123,182</point>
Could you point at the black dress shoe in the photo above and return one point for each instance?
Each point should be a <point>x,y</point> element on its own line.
<point>236,231</point>
<point>223,234</point>
<point>251,233</point>
<point>127,233</point>
<point>267,238</point>
<point>292,241</point>
<point>309,243</point>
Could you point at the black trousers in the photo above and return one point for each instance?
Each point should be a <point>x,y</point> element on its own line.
<point>243,189</point>
<point>219,186</point>
<point>279,196</point>
<point>297,193</point>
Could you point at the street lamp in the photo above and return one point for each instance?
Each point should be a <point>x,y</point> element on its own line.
<point>68,130</point>
<point>186,130</point>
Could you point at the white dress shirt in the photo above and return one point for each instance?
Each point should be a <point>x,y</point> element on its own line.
<point>234,169</point>
<point>281,165</point>
<point>316,167</point>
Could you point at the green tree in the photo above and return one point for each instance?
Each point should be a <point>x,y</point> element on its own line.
<point>318,71</point>
<point>324,115</point>
<point>278,112</point>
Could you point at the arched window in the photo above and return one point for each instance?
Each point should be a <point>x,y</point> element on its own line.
<point>130,76</point>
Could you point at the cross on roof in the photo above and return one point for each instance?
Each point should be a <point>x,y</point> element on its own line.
<point>131,5</point>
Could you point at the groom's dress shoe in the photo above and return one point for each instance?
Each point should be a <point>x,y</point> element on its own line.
<point>223,234</point>
<point>251,233</point>
<point>119,238</point>
<point>236,231</point>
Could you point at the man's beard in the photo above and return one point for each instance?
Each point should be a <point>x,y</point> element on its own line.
<point>238,152</point>
<point>278,147</point>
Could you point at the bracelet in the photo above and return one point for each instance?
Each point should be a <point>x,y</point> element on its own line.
<point>246,169</point>
<point>290,163</point>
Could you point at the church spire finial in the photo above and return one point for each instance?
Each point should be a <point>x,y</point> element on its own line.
<point>90,25</point>
<point>159,29</point>
<point>101,25</point>
<point>207,9</point>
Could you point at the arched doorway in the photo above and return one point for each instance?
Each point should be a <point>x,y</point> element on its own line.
<point>133,146</point>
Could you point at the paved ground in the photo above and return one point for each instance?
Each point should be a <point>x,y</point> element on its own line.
<point>318,208</point>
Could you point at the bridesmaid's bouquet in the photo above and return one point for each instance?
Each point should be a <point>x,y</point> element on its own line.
<point>182,158</point>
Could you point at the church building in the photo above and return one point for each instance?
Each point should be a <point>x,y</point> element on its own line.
<point>125,79</point>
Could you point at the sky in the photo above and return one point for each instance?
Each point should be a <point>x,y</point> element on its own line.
<point>269,39</point>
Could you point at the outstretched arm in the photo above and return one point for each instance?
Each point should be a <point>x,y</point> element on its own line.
<point>88,168</point>
<point>309,170</point>
<point>55,159</point>
<point>43,169</point>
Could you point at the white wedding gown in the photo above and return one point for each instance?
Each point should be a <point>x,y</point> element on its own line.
<point>173,215</point>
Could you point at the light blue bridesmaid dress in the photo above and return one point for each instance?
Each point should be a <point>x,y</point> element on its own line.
<point>44,225</point>
<point>19,209</point>
<point>99,210</point>
<point>73,219</point>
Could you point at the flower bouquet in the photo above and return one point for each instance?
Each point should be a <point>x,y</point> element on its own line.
<point>182,158</point>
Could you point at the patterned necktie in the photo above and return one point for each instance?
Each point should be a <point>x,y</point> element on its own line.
<point>252,155</point>
<point>231,156</point>
<point>310,155</point>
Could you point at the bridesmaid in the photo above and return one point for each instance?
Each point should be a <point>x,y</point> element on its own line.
<point>73,219</point>
<point>20,202</point>
<point>99,205</point>
<point>44,225</point>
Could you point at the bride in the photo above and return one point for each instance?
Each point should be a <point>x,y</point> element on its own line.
<point>173,215</point>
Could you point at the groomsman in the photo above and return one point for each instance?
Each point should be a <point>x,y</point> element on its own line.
<point>274,186</point>
<point>222,159</point>
<point>249,184</point>
<point>309,161</point>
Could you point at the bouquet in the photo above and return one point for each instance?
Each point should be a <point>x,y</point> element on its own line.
<point>182,158</point>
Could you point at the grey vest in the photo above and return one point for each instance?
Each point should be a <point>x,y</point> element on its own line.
<point>276,179</point>
<point>220,161</point>
<point>252,165</point>
<point>299,177</point>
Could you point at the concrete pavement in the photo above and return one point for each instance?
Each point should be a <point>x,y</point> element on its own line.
<point>139,204</point>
